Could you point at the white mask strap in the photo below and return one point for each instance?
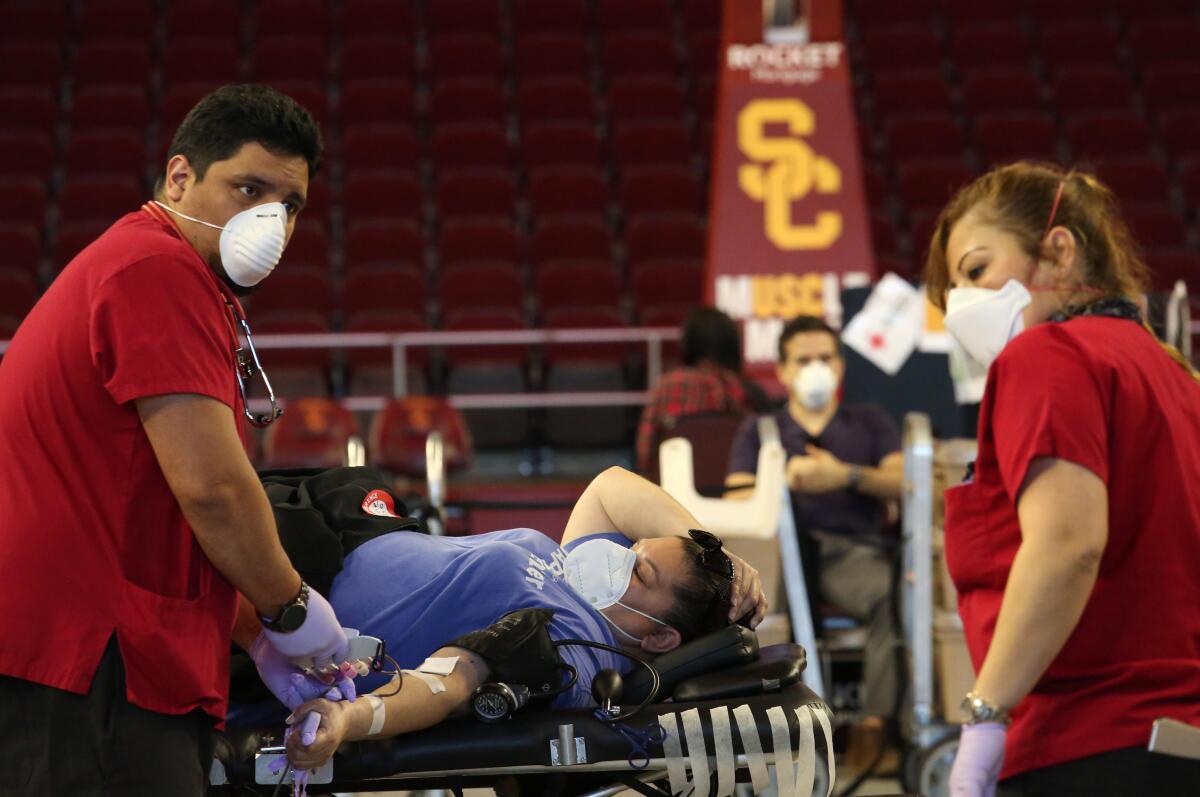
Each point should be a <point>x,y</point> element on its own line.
<point>189,218</point>
<point>629,636</point>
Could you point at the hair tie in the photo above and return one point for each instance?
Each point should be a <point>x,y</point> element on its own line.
<point>1054,208</point>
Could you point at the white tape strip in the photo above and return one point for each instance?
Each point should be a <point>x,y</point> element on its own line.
<point>760,779</point>
<point>806,754</point>
<point>442,665</point>
<point>823,719</point>
<point>378,714</point>
<point>676,772</point>
<point>781,737</point>
<point>723,749</point>
<point>434,683</point>
<point>693,730</point>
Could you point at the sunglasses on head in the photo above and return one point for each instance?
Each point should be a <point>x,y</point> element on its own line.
<point>714,559</point>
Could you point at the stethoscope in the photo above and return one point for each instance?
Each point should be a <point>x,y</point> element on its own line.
<point>246,366</point>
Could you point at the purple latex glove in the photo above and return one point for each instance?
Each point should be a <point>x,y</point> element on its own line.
<point>320,637</point>
<point>977,764</point>
<point>290,685</point>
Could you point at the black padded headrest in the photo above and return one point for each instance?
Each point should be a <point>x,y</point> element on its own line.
<point>731,646</point>
<point>777,667</point>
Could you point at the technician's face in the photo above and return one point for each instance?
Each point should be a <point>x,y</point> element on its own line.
<point>253,176</point>
<point>805,348</point>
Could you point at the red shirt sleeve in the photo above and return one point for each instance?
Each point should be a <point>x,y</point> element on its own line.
<point>158,327</point>
<point>1048,399</point>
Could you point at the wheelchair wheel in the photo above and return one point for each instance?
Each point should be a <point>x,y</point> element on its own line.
<point>927,769</point>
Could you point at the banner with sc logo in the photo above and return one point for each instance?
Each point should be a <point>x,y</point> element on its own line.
<point>785,169</point>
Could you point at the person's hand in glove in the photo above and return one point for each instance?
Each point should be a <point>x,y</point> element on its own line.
<point>320,637</point>
<point>292,686</point>
<point>977,764</point>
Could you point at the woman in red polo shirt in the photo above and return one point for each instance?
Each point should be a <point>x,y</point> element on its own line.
<point>1075,543</point>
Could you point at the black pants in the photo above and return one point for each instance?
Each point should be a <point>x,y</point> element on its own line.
<point>98,745</point>
<point>1131,772</point>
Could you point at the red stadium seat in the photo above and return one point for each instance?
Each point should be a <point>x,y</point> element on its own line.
<point>494,318</point>
<point>901,47</point>
<point>212,61</point>
<point>99,198</point>
<point>464,146</point>
<point>923,224</point>
<point>21,244</point>
<point>310,94</point>
<point>1091,87</point>
<point>570,238</point>
<point>666,189</point>
<point>18,292</point>
<point>34,20</point>
<point>884,237</point>
<point>294,289</point>
<point>1189,181</point>
<point>874,13</point>
<point>930,182</point>
<point>312,433</point>
<point>651,144</point>
<point>704,54</point>
<point>135,18</point>
<point>1136,179</point>
<point>105,151</point>
<point>1155,224</point>
<point>958,12</point>
<point>1139,9</point>
<point>292,322</point>
<point>22,201</point>
<point>110,106</point>
<point>476,192</point>
<point>400,429</point>
<point>586,367</point>
<point>202,18</point>
<point>291,17</point>
<point>33,108</point>
<point>1180,131</point>
<point>623,54</point>
<point>1105,134</point>
<point>1061,10</point>
<point>387,101</point>
<point>573,189</point>
<point>1168,266</point>
<point>992,43</point>
<point>555,100</point>
<point>477,240</point>
<point>600,314</point>
<point>663,236</point>
<point>31,64</point>
<point>379,239</point>
<point>369,194</point>
<point>464,16</point>
<point>309,244</point>
<point>550,15</point>
<point>480,100</point>
<point>639,98</point>
<point>361,359</point>
<point>289,58</point>
<point>876,186</point>
<point>382,286</point>
<point>72,236</point>
<point>1009,136</point>
<point>704,101</point>
<point>573,283</point>
<point>1001,89</point>
<point>667,282</point>
<point>479,285</point>
<point>466,56</point>
<point>175,103</point>
<point>922,135</point>
<point>911,90</point>
<point>631,15</point>
<point>122,61</point>
<point>1083,40</point>
<point>559,144</point>
<point>380,148</point>
<point>559,54</point>
<point>378,56</point>
<point>1165,39</point>
<point>369,17</point>
<point>1172,85</point>
<point>702,15</point>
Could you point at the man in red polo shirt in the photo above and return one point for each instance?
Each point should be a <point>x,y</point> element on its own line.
<point>130,517</point>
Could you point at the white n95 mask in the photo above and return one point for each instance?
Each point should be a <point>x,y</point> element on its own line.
<point>599,571</point>
<point>983,320</point>
<point>815,385</point>
<point>251,242</point>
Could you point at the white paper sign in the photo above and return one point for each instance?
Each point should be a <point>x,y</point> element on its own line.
<point>887,328</point>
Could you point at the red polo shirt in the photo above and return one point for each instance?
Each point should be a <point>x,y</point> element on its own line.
<point>92,540</point>
<point>1099,392</point>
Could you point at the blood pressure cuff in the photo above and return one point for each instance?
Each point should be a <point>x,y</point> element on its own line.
<point>518,650</point>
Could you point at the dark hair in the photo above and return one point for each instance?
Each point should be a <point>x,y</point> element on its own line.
<point>710,335</point>
<point>231,116</point>
<point>801,324</point>
<point>701,597</point>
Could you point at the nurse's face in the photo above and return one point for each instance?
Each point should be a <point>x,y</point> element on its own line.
<point>981,254</point>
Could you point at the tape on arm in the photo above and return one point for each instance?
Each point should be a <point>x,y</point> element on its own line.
<point>378,714</point>
<point>434,682</point>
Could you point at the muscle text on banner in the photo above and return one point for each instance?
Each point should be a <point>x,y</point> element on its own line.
<point>788,227</point>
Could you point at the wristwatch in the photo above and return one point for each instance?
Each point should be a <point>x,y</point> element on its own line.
<point>854,478</point>
<point>978,709</point>
<point>292,615</point>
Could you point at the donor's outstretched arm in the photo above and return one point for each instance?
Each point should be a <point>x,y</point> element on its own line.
<point>423,701</point>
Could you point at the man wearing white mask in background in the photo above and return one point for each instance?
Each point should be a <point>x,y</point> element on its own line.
<point>130,517</point>
<point>844,465</point>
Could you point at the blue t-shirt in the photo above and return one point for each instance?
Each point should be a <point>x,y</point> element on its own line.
<point>419,592</point>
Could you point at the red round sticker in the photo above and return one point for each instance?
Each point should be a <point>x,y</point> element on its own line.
<point>380,503</point>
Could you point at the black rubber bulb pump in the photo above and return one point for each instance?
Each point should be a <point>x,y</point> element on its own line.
<point>607,687</point>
